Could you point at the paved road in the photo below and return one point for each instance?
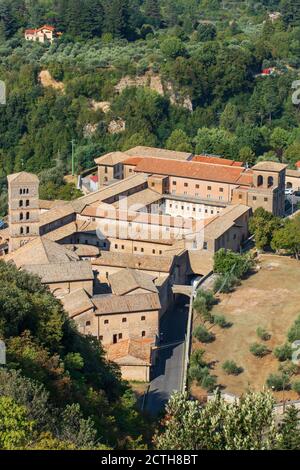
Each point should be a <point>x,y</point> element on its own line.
<point>169,371</point>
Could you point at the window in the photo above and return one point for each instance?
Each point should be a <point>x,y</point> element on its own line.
<point>208,188</point>
<point>205,246</point>
<point>88,323</point>
<point>143,334</point>
<point>101,338</point>
<point>153,252</point>
<point>20,203</point>
<point>120,336</point>
<point>21,216</point>
<point>160,252</point>
<point>106,322</point>
<point>116,246</point>
<point>106,169</point>
<point>130,170</point>
<point>27,230</point>
<point>260,180</point>
<point>27,203</point>
<point>27,191</point>
<point>123,247</point>
<point>186,185</point>
<point>152,184</point>
<point>234,236</point>
<point>240,196</point>
<point>143,318</point>
<point>21,191</point>
<point>142,250</point>
<point>254,198</point>
<point>174,183</point>
<point>197,186</point>
<point>221,190</point>
<point>266,199</point>
<point>124,320</point>
<point>135,248</point>
<point>27,215</point>
<point>21,230</point>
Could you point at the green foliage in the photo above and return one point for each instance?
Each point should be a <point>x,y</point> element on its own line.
<point>227,262</point>
<point>226,283</point>
<point>247,424</point>
<point>296,386</point>
<point>263,225</point>
<point>172,47</point>
<point>283,353</point>
<point>287,238</point>
<point>15,429</point>
<point>231,368</point>
<point>69,391</point>
<point>259,350</point>
<point>203,304</point>
<point>278,382</point>
<point>289,430</point>
<point>203,335</point>
<point>263,334</point>
<point>221,321</point>
<point>294,332</point>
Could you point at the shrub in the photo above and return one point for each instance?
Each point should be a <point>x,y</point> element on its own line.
<point>294,332</point>
<point>296,387</point>
<point>226,283</point>
<point>203,303</point>
<point>221,321</point>
<point>278,382</point>
<point>197,358</point>
<point>209,382</point>
<point>229,262</point>
<point>203,335</point>
<point>259,350</point>
<point>263,334</point>
<point>284,352</point>
<point>231,368</point>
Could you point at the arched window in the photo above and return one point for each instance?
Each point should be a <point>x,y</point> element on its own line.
<point>260,180</point>
<point>270,181</point>
<point>289,185</point>
<point>21,191</point>
<point>27,203</point>
<point>27,215</point>
<point>21,230</point>
<point>21,216</point>
<point>27,191</point>
<point>20,203</point>
<point>27,230</point>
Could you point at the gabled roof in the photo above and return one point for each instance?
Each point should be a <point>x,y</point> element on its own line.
<point>135,261</point>
<point>41,251</point>
<point>269,166</point>
<point>22,177</point>
<point>129,280</point>
<point>212,159</point>
<point>111,159</point>
<point>131,352</point>
<point>113,304</point>
<point>194,170</point>
<point>77,302</point>
<point>62,272</point>
<point>153,152</point>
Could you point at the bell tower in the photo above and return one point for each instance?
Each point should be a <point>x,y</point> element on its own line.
<point>23,207</point>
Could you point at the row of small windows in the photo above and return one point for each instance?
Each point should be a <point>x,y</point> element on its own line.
<point>24,230</point>
<point>120,337</point>
<point>124,320</point>
<point>21,203</point>
<point>24,191</point>
<point>197,186</point>
<point>194,209</point>
<point>27,216</point>
<point>122,247</point>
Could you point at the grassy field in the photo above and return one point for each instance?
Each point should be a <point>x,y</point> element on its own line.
<point>270,299</point>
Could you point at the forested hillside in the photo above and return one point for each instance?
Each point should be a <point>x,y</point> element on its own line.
<point>194,73</point>
<point>57,391</point>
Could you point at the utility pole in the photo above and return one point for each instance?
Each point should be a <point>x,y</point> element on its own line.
<point>73,156</point>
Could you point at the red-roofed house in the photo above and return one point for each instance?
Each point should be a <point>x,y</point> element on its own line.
<point>43,34</point>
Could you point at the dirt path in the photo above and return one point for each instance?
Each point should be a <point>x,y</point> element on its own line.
<point>48,81</point>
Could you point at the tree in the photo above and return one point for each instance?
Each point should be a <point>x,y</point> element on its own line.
<point>231,368</point>
<point>179,141</point>
<point>289,430</point>
<point>203,335</point>
<point>247,424</point>
<point>214,141</point>
<point>152,12</point>
<point>15,429</point>
<point>229,117</point>
<point>172,47</point>
<point>288,237</point>
<point>206,32</point>
<point>246,155</point>
<point>228,262</point>
<point>259,350</point>
<point>283,353</point>
<point>279,140</point>
<point>263,225</point>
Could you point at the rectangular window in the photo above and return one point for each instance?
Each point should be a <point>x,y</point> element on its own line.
<point>124,320</point>
<point>205,246</point>
<point>221,190</point>
<point>208,188</point>
<point>106,322</point>
<point>186,185</point>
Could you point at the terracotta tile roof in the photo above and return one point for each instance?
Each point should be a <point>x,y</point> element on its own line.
<point>84,251</point>
<point>142,198</point>
<point>152,152</point>
<point>133,161</point>
<point>201,262</point>
<point>131,351</point>
<point>111,304</point>
<point>47,205</point>
<point>46,26</point>
<point>22,177</point>
<point>77,302</point>
<point>111,159</point>
<point>56,213</point>
<point>293,173</point>
<point>216,160</point>
<point>62,272</point>
<point>298,164</point>
<point>194,170</point>
<point>246,178</point>
<point>133,261</point>
<point>269,166</point>
<point>41,251</point>
<point>218,226</point>
<point>128,280</point>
